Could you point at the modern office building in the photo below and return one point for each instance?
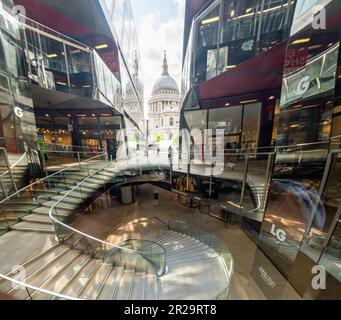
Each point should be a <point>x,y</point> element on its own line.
<point>82,71</point>
<point>268,73</point>
<point>164,107</point>
<point>252,214</point>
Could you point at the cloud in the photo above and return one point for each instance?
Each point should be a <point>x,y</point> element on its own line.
<point>155,36</point>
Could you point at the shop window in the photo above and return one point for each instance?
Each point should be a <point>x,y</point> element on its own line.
<point>229,119</point>
<point>251,123</point>
<point>196,119</point>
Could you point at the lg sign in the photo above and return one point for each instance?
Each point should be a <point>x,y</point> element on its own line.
<point>18,112</point>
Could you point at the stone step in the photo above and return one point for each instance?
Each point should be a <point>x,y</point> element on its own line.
<point>125,286</point>
<point>61,205</point>
<point>151,285</point>
<point>33,227</point>
<point>93,287</point>
<point>194,258</point>
<point>138,292</point>
<point>46,210</point>
<point>75,287</point>
<point>111,284</point>
<point>39,279</point>
<point>63,279</point>
<point>37,264</point>
<point>37,218</point>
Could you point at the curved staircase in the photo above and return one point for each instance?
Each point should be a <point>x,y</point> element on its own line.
<point>78,267</point>
<point>194,272</point>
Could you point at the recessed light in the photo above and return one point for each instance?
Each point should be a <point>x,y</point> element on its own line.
<point>101,46</point>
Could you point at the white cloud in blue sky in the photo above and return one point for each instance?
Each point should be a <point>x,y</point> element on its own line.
<point>159,25</point>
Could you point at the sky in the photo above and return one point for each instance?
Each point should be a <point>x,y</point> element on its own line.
<point>159,25</point>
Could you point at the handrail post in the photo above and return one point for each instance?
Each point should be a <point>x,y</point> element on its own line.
<point>10,170</point>
<point>3,189</point>
<point>267,179</point>
<point>188,174</point>
<point>171,168</point>
<point>79,160</point>
<point>246,166</point>
<point>211,181</point>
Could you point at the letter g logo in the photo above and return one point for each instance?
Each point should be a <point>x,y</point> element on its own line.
<point>303,86</point>
<point>18,112</point>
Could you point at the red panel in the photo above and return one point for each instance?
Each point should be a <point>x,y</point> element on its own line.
<point>51,18</point>
<point>264,72</point>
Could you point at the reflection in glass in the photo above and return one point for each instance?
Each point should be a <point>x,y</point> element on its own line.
<point>229,118</point>
<point>196,119</point>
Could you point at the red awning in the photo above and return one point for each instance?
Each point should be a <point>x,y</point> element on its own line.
<point>46,15</point>
<point>261,73</point>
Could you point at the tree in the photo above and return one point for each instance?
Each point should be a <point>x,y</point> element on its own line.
<point>159,137</point>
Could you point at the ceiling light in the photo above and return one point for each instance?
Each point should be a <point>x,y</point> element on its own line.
<point>52,55</point>
<point>210,20</point>
<point>61,83</point>
<point>271,98</point>
<point>248,101</point>
<point>101,46</point>
<point>299,41</point>
<point>232,13</point>
<point>317,46</point>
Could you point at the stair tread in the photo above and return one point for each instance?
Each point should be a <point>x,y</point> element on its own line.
<point>111,284</point>
<point>37,218</point>
<point>35,265</point>
<point>33,226</point>
<point>81,279</point>
<point>94,285</point>
<point>40,278</point>
<point>125,285</point>
<point>138,292</point>
<point>151,290</point>
<point>63,279</point>
<point>46,210</point>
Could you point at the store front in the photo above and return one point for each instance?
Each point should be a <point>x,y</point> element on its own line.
<point>95,131</point>
<point>245,126</point>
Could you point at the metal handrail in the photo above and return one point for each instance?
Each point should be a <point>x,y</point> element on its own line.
<point>28,286</point>
<point>57,34</point>
<point>14,165</point>
<point>218,250</point>
<point>9,171</point>
<point>70,146</point>
<point>120,247</point>
<point>52,175</point>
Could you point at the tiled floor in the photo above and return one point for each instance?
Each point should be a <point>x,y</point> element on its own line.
<point>254,277</point>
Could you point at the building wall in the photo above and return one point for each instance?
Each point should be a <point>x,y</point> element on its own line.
<point>17,122</point>
<point>164,111</point>
<point>303,197</point>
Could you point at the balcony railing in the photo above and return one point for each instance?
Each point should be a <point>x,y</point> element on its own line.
<point>57,62</point>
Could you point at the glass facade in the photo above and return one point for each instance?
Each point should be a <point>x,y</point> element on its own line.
<point>17,122</point>
<point>120,18</point>
<point>241,124</point>
<point>299,122</point>
<point>303,198</point>
<point>230,32</point>
<point>79,75</point>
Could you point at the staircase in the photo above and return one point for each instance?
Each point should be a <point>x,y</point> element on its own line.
<point>30,212</point>
<point>69,269</point>
<point>78,268</point>
<point>18,174</point>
